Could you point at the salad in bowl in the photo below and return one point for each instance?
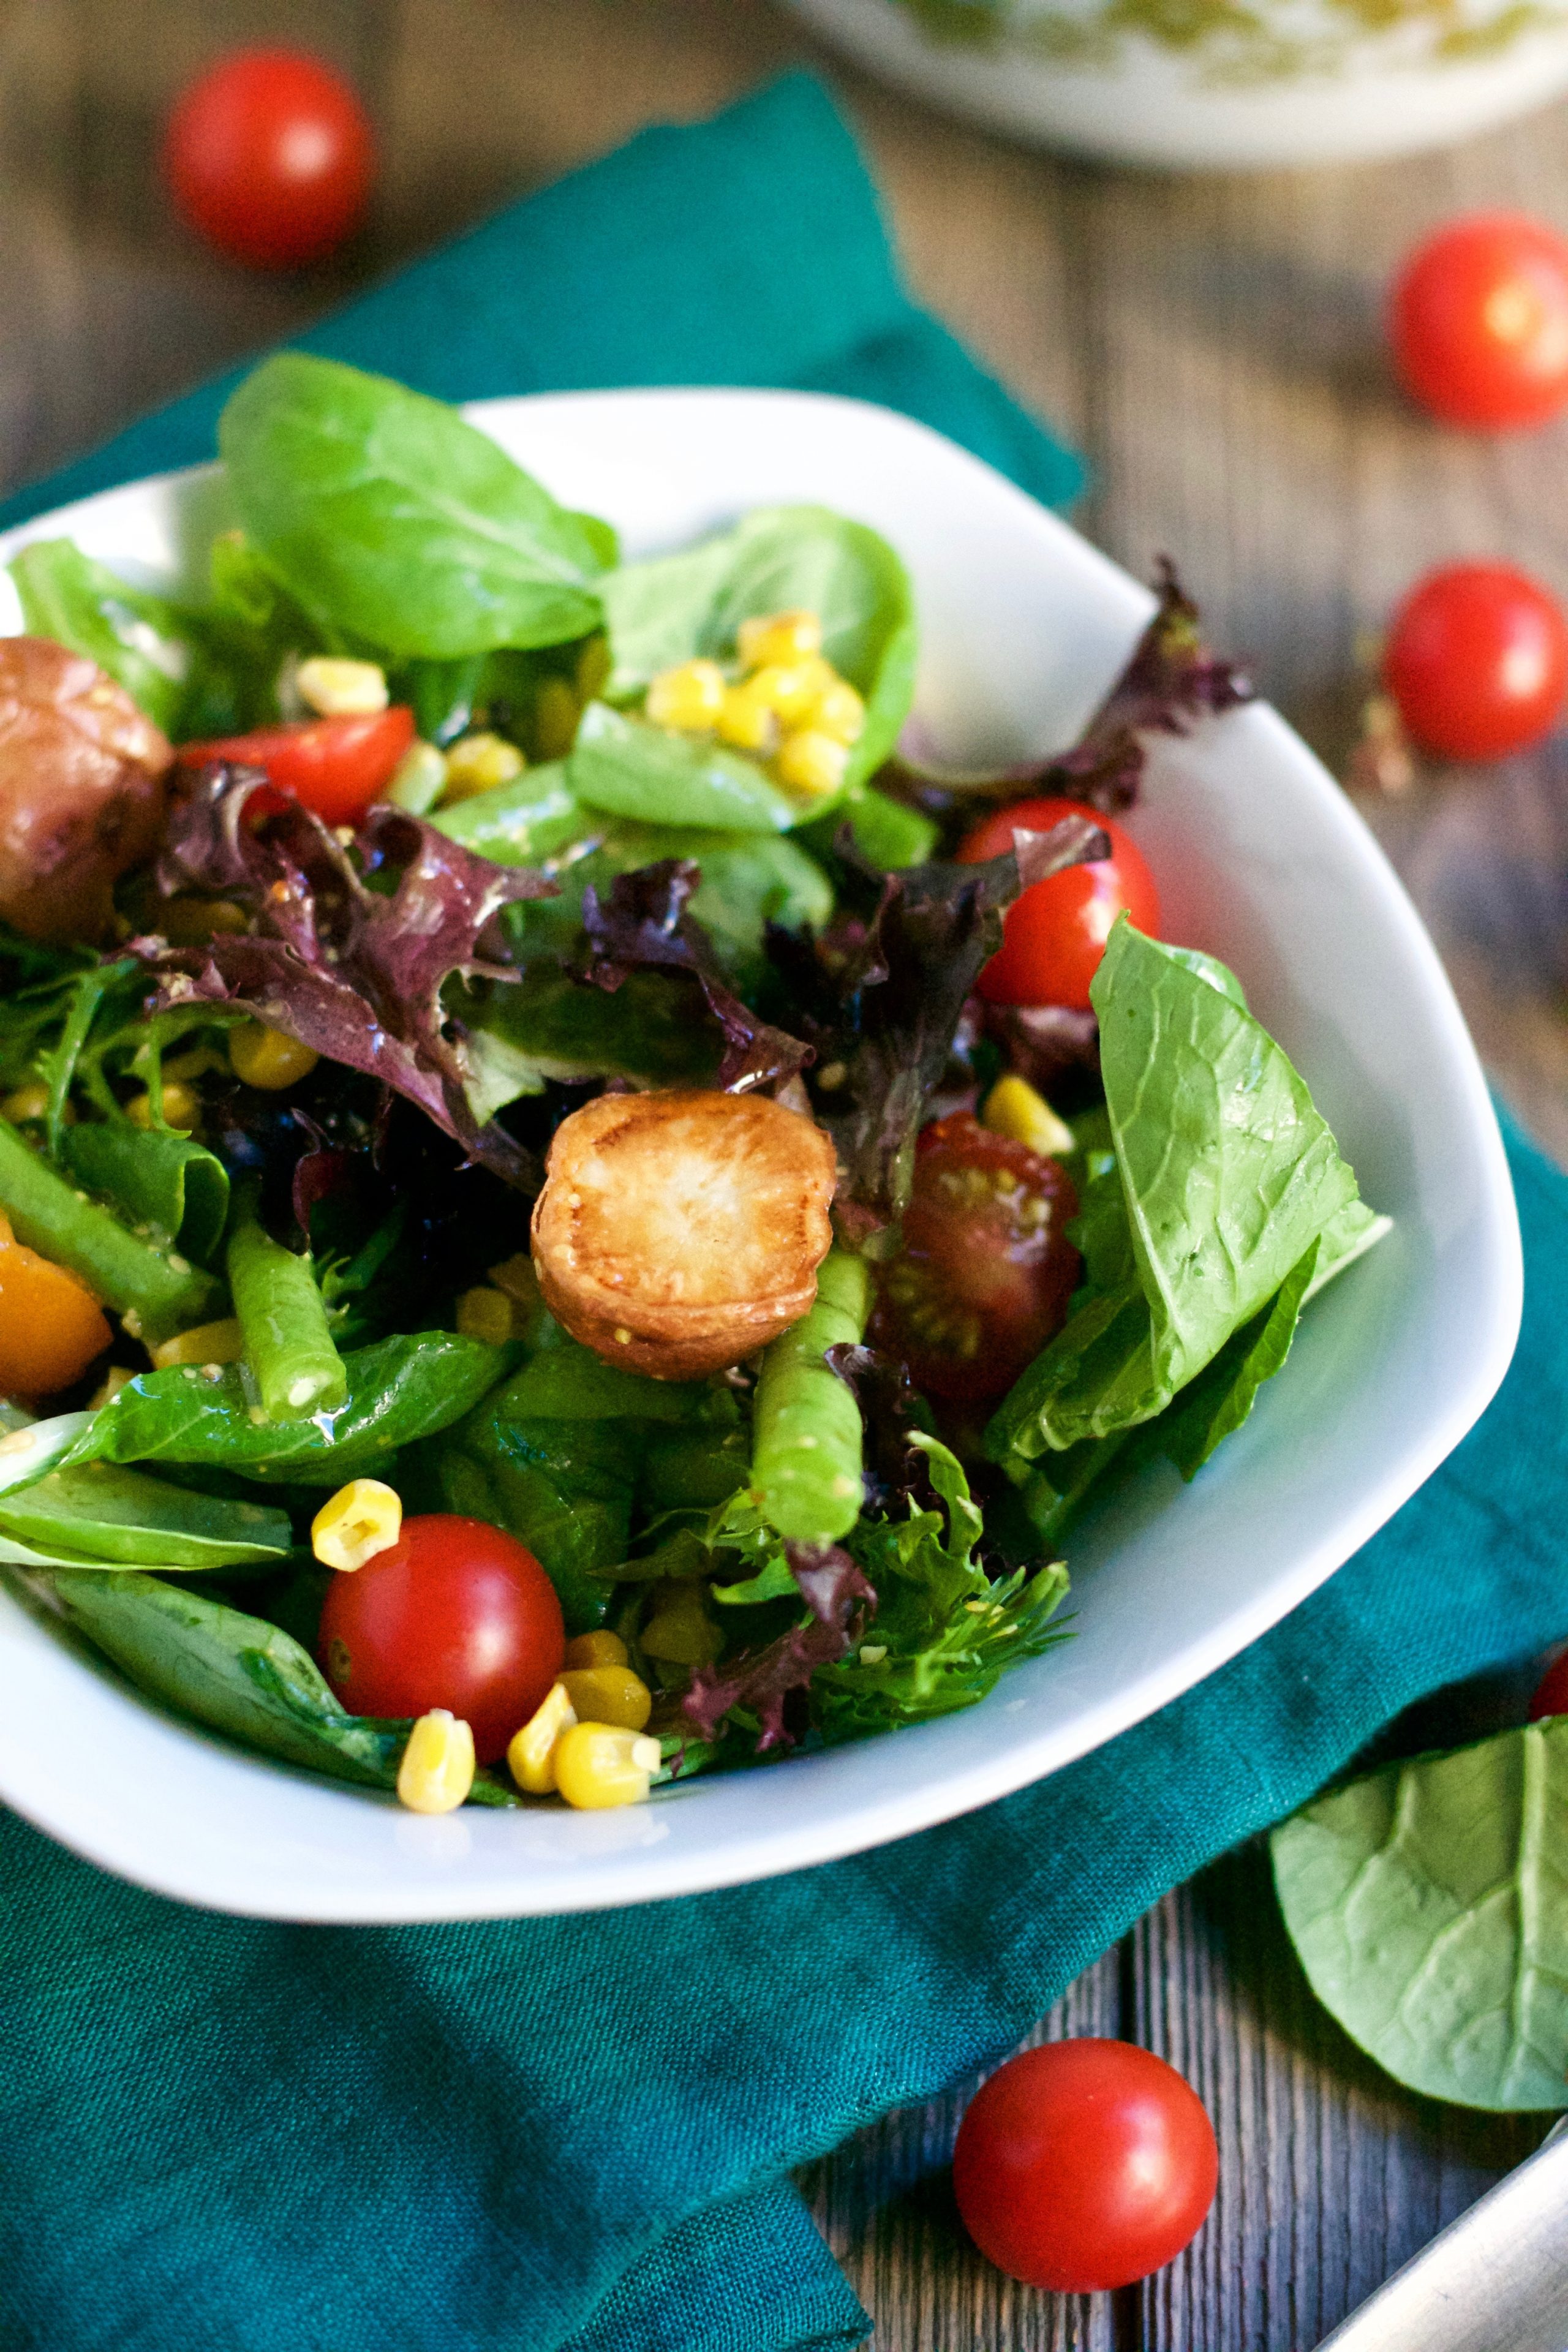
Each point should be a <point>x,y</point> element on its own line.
<point>575,1219</point>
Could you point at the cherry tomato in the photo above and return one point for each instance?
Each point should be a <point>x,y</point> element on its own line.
<point>1478,322</point>
<point>1054,936</point>
<point>456,1614</point>
<point>1552,1691</point>
<point>270,155</point>
<point>985,1270</point>
<point>336,766</point>
<point>1084,2165</point>
<point>1476,659</point>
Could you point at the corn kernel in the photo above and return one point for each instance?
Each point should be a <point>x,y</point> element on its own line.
<point>608,1695</point>
<point>1013,1107</point>
<point>839,712</point>
<point>204,1343</point>
<point>792,690</point>
<point>267,1058</point>
<point>746,721</point>
<point>530,1757</point>
<point>190,921</point>
<point>478,763</point>
<point>180,1107</point>
<point>418,779</point>
<point>601,1648</point>
<point>811,762</point>
<point>29,1101</point>
<point>598,1764</point>
<point>486,1315</point>
<point>438,1768</point>
<point>680,1632</point>
<point>779,637</point>
<point>556,711</point>
<point>689,698</point>
<point>341,689</point>
<point>361,1519</point>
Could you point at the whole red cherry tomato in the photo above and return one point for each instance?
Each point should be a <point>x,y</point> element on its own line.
<point>1476,659</point>
<point>1478,322</point>
<point>1552,1691</point>
<point>1054,936</point>
<point>270,155</point>
<point>456,1614</point>
<point>985,1269</point>
<point>336,766</point>
<point>1084,2165</point>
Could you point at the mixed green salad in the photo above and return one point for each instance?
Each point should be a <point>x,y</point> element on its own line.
<point>561,1203</point>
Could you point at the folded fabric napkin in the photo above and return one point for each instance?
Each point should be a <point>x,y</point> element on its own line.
<point>574,2135</point>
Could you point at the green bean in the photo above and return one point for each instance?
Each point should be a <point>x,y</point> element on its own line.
<point>154,1291</point>
<point>287,1345</point>
<point>805,1443</point>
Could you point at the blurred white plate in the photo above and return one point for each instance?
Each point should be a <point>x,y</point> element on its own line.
<point>1260,858</point>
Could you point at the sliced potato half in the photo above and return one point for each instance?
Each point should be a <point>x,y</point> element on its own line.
<point>678,1231</point>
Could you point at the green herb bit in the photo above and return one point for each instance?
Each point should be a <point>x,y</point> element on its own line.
<point>288,1344</point>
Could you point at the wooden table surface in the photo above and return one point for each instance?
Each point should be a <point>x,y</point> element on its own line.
<point>1212,344</point>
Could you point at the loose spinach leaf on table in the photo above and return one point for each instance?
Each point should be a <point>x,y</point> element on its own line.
<point>400,1390</point>
<point>156,1178</point>
<point>99,1511</point>
<point>390,519</point>
<point>1428,1902</point>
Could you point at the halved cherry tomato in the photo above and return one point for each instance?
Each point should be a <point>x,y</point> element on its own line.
<point>1552,1691</point>
<point>985,1272</point>
<point>1478,322</point>
<point>1084,2165</point>
<point>336,766</point>
<point>456,1614</point>
<point>270,155</point>
<point>51,1326</point>
<point>1477,661</point>
<point>1054,936</point>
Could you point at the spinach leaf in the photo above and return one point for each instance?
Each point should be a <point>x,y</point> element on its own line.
<point>391,519</point>
<point>402,1389</point>
<point>521,822</point>
<point>778,559</point>
<point>100,1512</point>
<point>155,1178</point>
<point>142,640</point>
<point>1213,1405</point>
<point>554,1025</point>
<point>627,768</point>
<point>1428,1902</point>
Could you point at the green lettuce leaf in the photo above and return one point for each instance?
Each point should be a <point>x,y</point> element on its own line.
<point>626,768</point>
<point>155,1178</point>
<point>100,1512</point>
<point>142,640</point>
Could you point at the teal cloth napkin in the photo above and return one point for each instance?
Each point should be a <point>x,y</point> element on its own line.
<point>574,2136</point>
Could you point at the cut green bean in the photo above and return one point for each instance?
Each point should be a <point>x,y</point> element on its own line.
<point>287,1345</point>
<point>154,1291</point>
<point>806,1441</point>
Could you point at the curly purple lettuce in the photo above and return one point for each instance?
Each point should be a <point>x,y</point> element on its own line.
<point>762,1680</point>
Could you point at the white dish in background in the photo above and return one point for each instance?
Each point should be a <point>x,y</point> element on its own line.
<point>1260,858</point>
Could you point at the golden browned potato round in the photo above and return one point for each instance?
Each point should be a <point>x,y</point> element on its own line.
<point>81,789</point>
<point>677,1231</point>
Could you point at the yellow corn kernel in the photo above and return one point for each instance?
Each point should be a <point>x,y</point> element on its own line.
<point>746,721</point>
<point>29,1101</point>
<point>601,1648</point>
<point>594,667</point>
<point>779,637</point>
<point>478,763</point>
<point>556,711</point>
<point>361,1519</point>
<point>689,699</point>
<point>530,1757</point>
<point>118,1377</point>
<point>265,1058</point>
<point>792,690</point>
<point>1013,1107</point>
<point>204,1343</point>
<point>418,779</point>
<point>438,1768</point>
<point>189,921</point>
<point>599,1764</point>
<point>180,1107</point>
<point>680,1632</point>
<point>486,1315</point>
<point>341,689</point>
<point>608,1695</point>
<point>839,712</point>
<point>811,762</point>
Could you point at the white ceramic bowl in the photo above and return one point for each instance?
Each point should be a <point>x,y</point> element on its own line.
<point>1260,858</point>
<point>1291,82</point>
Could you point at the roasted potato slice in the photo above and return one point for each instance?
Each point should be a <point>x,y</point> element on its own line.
<point>81,789</point>
<point>678,1231</point>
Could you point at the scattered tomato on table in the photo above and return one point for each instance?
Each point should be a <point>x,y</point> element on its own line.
<point>1477,660</point>
<point>269,156</point>
<point>1478,321</point>
<point>1054,936</point>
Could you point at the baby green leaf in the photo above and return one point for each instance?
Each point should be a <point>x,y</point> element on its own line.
<point>1428,1903</point>
<point>100,1512</point>
<point>139,639</point>
<point>629,769</point>
<point>155,1178</point>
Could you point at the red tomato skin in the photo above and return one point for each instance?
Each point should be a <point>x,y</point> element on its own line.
<point>457,1613</point>
<point>269,156</point>
<point>1552,1691</point>
<point>1476,659</point>
<point>1084,2165</point>
<point>1054,936</point>
<point>336,766</point>
<point>1478,321</point>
